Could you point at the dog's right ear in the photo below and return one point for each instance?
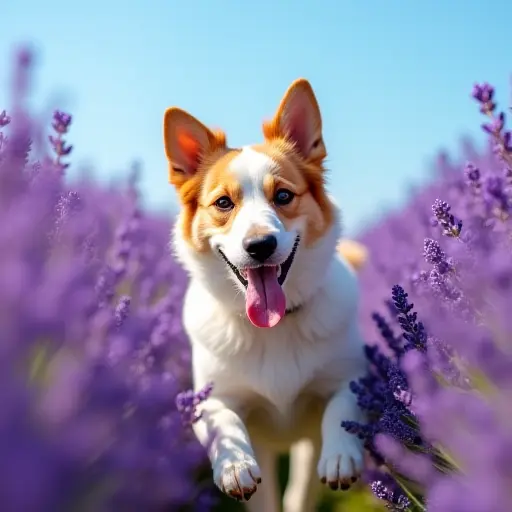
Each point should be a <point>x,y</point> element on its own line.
<point>187,142</point>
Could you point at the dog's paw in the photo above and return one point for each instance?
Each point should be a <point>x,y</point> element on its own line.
<point>237,477</point>
<point>340,466</point>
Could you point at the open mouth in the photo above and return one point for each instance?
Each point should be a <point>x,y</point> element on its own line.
<point>265,302</point>
<point>282,271</point>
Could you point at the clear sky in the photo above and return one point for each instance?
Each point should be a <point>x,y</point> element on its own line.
<point>393,78</point>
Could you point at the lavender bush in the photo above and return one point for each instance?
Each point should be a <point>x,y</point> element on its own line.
<point>92,352</point>
<point>439,392</point>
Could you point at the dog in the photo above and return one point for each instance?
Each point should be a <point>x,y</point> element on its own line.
<point>271,305</point>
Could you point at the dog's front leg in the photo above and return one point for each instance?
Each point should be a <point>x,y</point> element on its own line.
<point>341,458</point>
<point>222,432</point>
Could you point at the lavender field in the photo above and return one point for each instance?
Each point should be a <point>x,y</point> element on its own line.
<point>93,357</point>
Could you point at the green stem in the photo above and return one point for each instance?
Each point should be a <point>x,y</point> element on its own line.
<point>449,458</point>
<point>409,494</point>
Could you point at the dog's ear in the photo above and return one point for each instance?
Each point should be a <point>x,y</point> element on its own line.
<point>187,142</point>
<point>298,120</point>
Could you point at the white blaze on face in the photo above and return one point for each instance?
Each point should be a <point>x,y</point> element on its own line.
<point>251,167</point>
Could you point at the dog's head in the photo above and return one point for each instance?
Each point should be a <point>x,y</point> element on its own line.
<point>250,212</point>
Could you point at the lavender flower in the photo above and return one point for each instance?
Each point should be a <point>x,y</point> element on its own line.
<point>390,493</point>
<point>502,139</point>
<point>436,256</point>
<point>187,402</point>
<point>61,123</point>
<point>451,226</point>
<point>484,94</point>
<point>472,174</point>
<point>4,119</point>
<point>497,195</point>
<point>122,310</point>
<point>414,332</point>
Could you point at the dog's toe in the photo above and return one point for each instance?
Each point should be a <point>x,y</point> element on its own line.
<point>238,479</point>
<point>339,469</point>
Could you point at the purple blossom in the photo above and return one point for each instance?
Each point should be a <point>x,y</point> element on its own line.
<point>4,119</point>
<point>61,123</point>
<point>388,491</point>
<point>497,194</point>
<point>413,330</point>
<point>435,255</point>
<point>473,174</point>
<point>501,138</point>
<point>495,127</point>
<point>484,94</point>
<point>122,309</point>
<point>451,226</point>
<point>187,402</point>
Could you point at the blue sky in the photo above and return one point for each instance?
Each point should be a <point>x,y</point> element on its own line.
<point>393,79</point>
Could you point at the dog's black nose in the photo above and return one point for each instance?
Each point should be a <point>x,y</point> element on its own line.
<point>260,247</point>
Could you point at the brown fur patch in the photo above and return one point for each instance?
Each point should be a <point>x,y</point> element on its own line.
<point>353,252</point>
<point>190,189</point>
<point>214,180</point>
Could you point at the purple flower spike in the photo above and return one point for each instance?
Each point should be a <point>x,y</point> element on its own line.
<point>389,492</point>
<point>484,94</point>
<point>122,310</point>
<point>451,226</point>
<point>59,146</point>
<point>502,140</point>
<point>187,403</point>
<point>472,174</point>
<point>497,194</point>
<point>496,126</point>
<point>435,256</point>
<point>4,119</point>
<point>61,122</point>
<point>507,141</point>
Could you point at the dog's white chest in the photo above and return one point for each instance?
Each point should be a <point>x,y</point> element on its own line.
<point>278,371</point>
<point>279,366</point>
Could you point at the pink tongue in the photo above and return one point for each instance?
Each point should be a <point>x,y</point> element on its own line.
<point>265,302</point>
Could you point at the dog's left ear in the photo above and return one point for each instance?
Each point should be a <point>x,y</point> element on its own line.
<point>298,120</point>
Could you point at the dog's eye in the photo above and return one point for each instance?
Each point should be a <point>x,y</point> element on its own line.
<point>283,197</point>
<point>224,203</point>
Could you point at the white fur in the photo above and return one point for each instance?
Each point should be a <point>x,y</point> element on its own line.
<point>281,388</point>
